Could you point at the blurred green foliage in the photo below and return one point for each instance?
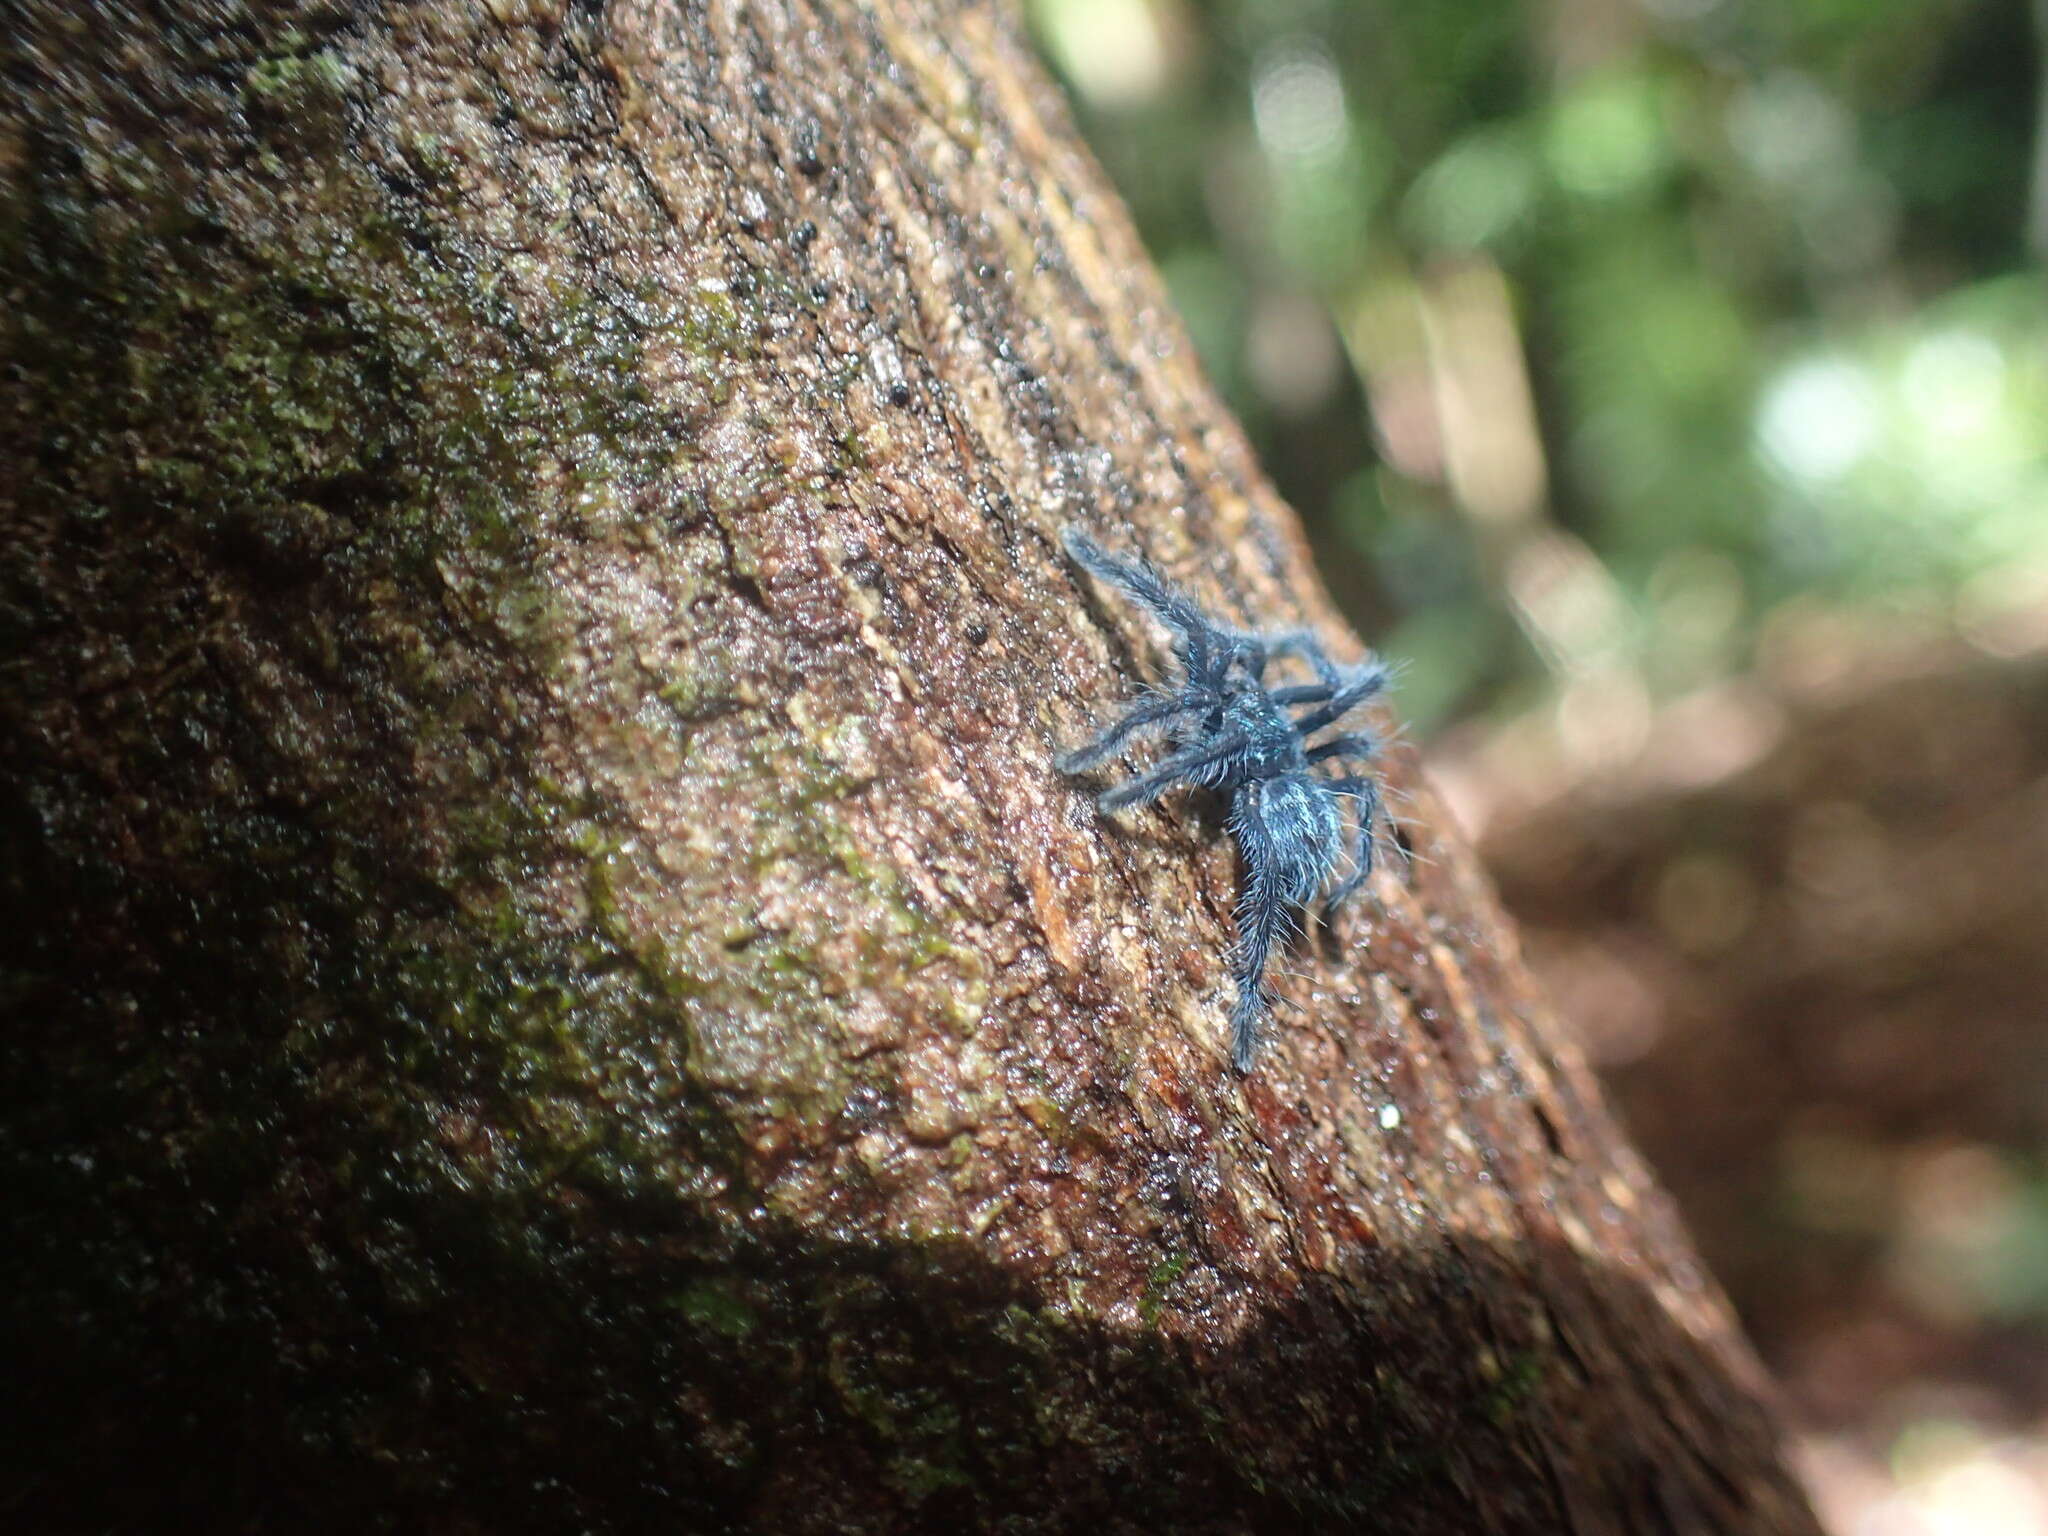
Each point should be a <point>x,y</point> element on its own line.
<point>1729,301</point>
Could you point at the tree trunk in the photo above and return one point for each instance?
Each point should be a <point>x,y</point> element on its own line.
<point>551,982</point>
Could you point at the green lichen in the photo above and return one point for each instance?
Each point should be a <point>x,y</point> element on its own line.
<point>295,80</point>
<point>718,1305</point>
<point>1162,1279</point>
<point>1050,1119</point>
<point>1520,1375</point>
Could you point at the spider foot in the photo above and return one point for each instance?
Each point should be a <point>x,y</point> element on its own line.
<point>1245,1018</point>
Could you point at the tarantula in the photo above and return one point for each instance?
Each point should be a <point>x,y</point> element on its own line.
<point>1233,732</point>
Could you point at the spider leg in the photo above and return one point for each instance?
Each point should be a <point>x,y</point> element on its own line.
<point>1194,631</point>
<point>1303,643</point>
<point>1331,680</point>
<point>1367,792</point>
<point>1182,766</point>
<point>1367,679</point>
<point>1262,922</point>
<point>1149,713</point>
<point>1302,693</point>
<point>1357,745</point>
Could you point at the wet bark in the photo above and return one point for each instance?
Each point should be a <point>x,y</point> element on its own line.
<point>550,981</point>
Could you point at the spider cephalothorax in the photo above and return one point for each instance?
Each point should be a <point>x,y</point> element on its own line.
<point>1235,733</point>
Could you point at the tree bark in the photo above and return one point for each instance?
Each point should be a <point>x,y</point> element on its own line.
<point>551,983</point>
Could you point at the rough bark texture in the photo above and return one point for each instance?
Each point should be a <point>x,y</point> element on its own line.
<point>550,982</point>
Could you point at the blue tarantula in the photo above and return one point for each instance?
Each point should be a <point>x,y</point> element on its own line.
<point>1233,732</point>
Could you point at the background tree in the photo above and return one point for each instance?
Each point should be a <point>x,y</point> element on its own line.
<point>550,981</point>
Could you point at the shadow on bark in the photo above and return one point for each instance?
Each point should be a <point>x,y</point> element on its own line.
<point>809,1387</point>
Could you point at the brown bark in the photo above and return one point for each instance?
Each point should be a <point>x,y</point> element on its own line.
<point>551,982</point>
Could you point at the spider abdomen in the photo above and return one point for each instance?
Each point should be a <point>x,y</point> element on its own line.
<point>1290,830</point>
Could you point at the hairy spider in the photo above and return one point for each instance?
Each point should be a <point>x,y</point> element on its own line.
<point>1233,732</point>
